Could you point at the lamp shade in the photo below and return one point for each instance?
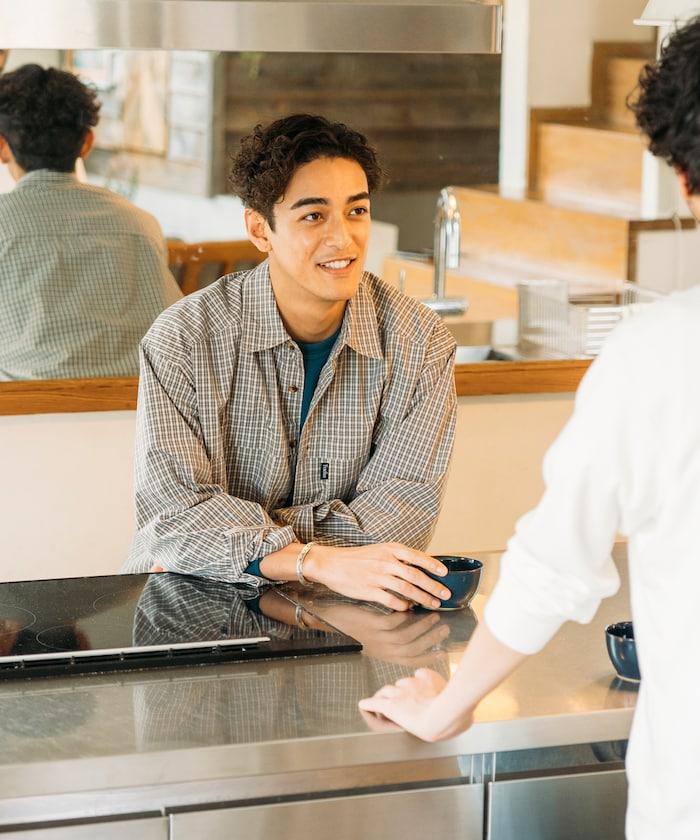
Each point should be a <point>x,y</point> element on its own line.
<point>664,12</point>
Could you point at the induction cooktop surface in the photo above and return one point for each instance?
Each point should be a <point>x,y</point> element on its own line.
<point>125,622</point>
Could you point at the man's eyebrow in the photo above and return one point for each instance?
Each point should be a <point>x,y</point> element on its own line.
<point>311,200</point>
<point>303,202</point>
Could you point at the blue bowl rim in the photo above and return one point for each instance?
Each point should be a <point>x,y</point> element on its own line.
<point>478,565</point>
<point>617,631</point>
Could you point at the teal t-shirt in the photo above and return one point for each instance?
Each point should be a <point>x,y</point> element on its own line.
<point>315,355</point>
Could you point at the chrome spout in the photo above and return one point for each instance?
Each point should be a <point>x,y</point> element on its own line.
<point>446,246</point>
<point>446,250</point>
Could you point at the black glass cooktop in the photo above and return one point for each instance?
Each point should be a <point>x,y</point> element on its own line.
<point>124,622</point>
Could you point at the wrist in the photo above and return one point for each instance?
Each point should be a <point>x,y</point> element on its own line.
<point>315,563</point>
<point>449,714</point>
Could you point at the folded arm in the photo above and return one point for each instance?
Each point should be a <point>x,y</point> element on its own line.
<point>187,521</point>
<point>400,489</point>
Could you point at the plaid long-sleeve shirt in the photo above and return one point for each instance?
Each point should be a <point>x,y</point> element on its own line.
<point>83,275</point>
<point>219,453</point>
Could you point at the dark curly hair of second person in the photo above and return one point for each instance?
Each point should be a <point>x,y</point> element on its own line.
<point>269,157</point>
<point>667,106</point>
<point>45,115</point>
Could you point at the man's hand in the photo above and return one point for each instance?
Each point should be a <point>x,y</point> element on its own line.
<point>433,709</point>
<point>410,704</point>
<point>405,639</point>
<point>387,573</point>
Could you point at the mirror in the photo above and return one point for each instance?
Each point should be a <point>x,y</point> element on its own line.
<point>169,122</point>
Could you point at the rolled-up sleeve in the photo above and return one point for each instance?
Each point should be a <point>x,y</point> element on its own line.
<point>558,566</point>
<point>186,520</point>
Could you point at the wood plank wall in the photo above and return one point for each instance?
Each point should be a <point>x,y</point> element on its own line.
<point>434,118</point>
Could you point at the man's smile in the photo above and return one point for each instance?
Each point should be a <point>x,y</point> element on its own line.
<point>337,266</point>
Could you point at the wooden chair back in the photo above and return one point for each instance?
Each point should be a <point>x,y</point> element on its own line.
<point>189,261</point>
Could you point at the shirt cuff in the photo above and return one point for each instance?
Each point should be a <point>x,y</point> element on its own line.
<point>512,624</point>
<point>254,569</point>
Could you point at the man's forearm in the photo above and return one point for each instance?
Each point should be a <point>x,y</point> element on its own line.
<point>282,564</point>
<point>485,664</point>
<point>385,513</point>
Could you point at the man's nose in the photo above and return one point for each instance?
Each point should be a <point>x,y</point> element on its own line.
<point>338,232</point>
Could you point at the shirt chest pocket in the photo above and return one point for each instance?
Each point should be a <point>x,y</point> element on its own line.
<point>331,474</point>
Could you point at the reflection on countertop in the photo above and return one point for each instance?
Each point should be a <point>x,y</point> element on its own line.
<point>566,694</point>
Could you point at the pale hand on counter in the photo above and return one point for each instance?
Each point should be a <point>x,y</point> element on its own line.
<point>433,709</point>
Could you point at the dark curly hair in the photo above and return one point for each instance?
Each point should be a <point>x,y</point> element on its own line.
<point>667,103</point>
<point>269,157</point>
<point>45,115</point>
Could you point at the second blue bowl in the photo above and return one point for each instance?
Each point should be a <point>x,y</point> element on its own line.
<point>622,650</point>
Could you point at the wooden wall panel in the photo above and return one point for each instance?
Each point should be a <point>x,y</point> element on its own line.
<point>434,118</point>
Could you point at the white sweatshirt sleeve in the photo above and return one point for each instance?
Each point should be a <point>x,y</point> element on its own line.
<point>558,564</point>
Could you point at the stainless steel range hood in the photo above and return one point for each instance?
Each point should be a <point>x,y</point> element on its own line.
<point>429,26</point>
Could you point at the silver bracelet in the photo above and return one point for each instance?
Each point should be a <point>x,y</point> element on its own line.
<point>300,564</point>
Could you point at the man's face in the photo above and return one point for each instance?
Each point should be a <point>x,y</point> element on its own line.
<point>321,231</point>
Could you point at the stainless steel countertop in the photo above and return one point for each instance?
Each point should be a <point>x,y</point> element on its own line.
<point>244,721</point>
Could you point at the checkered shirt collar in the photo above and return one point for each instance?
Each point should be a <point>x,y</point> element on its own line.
<point>263,327</point>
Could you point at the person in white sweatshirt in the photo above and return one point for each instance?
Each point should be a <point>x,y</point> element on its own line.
<point>628,461</point>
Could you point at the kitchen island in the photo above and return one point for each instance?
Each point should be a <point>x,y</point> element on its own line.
<point>280,748</point>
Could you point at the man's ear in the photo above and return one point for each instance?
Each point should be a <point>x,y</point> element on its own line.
<point>5,151</point>
<point>258,230</point>
<point>87,143</point>
<point>684,183</point>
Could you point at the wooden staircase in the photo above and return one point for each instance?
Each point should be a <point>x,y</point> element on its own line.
<point>580,216</point>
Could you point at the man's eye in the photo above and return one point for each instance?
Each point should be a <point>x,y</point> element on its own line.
<point>312,217</point>
<point>359,211</point>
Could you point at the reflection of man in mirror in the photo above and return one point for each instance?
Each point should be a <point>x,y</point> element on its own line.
<point>296,421</point>
<point>83,273</point>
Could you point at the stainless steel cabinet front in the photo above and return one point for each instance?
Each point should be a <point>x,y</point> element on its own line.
<point>577,806</point>
<point>450,813</point>
<point>150,828</point>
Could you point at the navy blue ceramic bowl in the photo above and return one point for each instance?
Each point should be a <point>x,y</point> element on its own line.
<point>462,579</point>
<point>622,650</point>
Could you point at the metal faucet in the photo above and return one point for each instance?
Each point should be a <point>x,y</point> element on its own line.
<point>446,251</point>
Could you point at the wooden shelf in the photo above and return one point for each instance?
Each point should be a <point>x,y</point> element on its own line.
<point>493,378</point>
<point>49,396</point>
<point>54,396</point>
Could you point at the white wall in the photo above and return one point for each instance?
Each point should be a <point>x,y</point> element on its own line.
<point>668,260</point>
<point>561,45</point>
<point>496,472</point>
<point>546,63</point>
<point>66,497</point>
<point>66,494</point>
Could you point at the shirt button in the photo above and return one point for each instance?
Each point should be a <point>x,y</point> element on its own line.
<point>293,388</point>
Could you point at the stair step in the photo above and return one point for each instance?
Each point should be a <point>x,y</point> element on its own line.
<point>568,240</point>
<point>616,84</point>
<point>599,165</point>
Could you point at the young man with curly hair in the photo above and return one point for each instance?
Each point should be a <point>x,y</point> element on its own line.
<point>296,421</point>
<point>629,462</point>
<point>83,273</point>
